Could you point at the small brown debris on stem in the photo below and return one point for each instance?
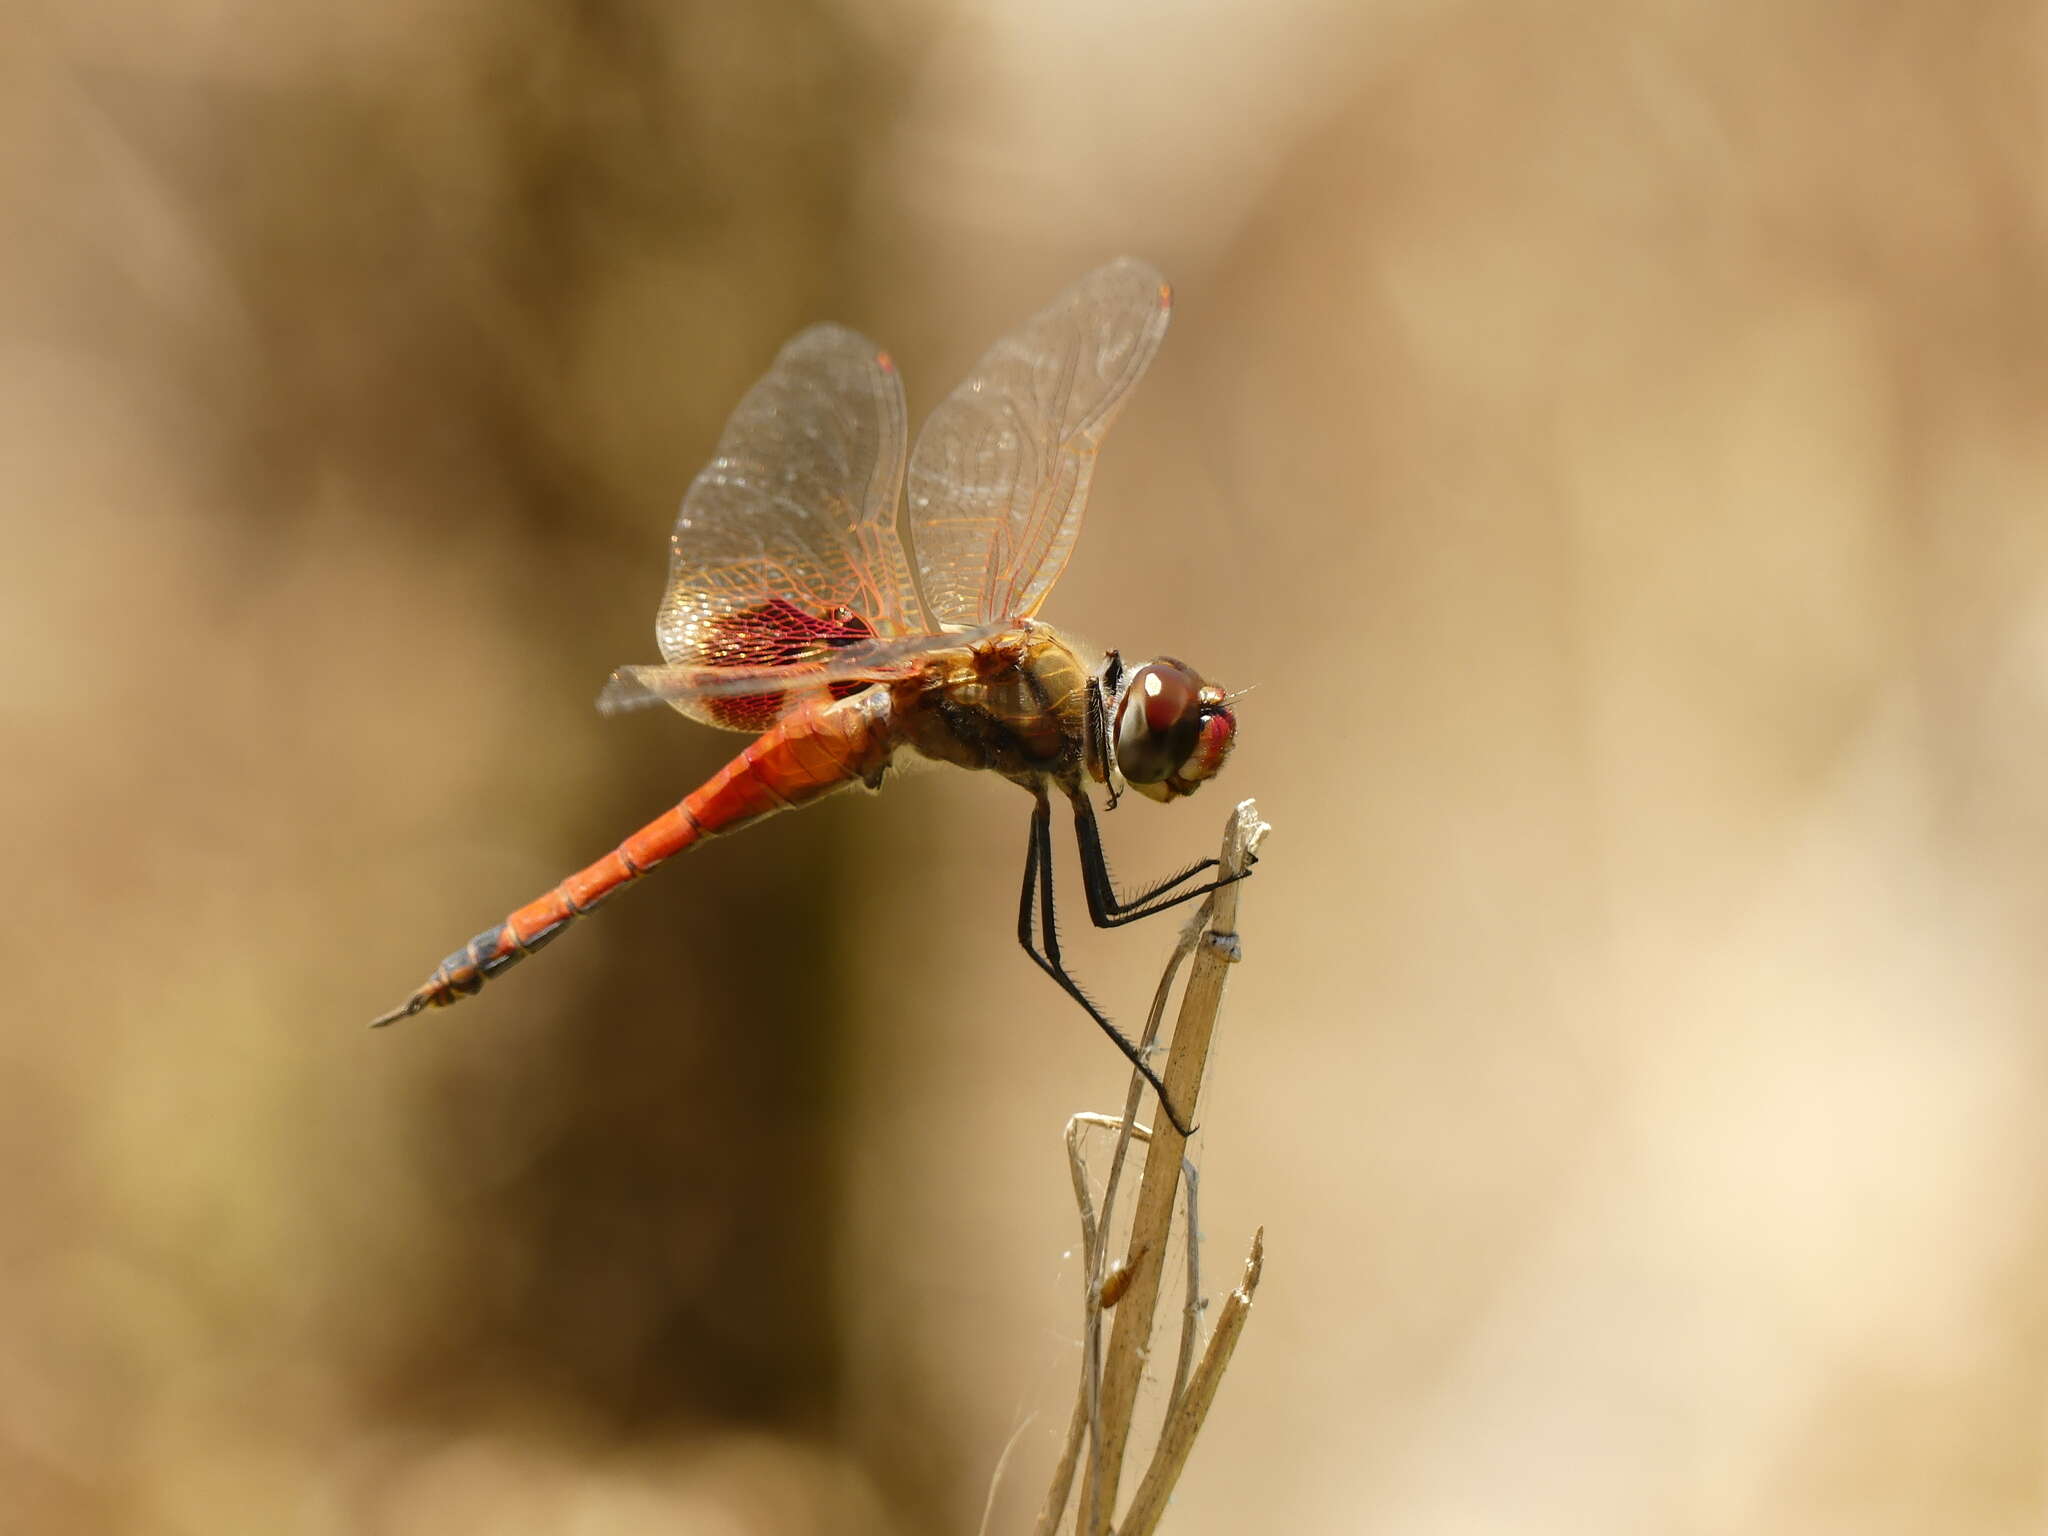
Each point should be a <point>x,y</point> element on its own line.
<point>1116,1282</point>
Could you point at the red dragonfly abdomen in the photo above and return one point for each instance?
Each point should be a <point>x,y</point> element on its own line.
<point>813,751</point>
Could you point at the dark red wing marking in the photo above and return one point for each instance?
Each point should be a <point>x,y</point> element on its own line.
<point>791,528</point>
<point>776,633</point>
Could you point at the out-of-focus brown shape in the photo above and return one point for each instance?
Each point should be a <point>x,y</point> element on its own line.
<point>350,368</point>
<point>1612,439</point>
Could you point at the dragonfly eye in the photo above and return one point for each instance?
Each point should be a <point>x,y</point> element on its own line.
<point>1159,722</point>
<point>1212,743</point>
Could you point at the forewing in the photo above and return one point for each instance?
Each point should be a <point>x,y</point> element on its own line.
<point>1000,475</point>
<point>721,691</point>
<point>786,548</point>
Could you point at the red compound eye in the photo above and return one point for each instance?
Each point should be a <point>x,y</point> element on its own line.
<point>1160,726</point>
<point>1167,693</point>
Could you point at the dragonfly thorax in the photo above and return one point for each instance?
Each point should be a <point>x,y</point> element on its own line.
<point>1015,703</point>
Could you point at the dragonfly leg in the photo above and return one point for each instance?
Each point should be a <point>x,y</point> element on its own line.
<point>1045,950</point>
<point>1109,910</point>
<point>1099,744</point>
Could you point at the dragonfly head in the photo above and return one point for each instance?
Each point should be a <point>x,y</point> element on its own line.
<point>1172,730</point>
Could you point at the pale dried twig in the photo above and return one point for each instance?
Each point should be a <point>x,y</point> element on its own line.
<point>1055,1504</point>
<point>1105,1404</point>
<point>1184,1418</point>
<point>995,1482</point>
<point>1094,1274</point>
<point>1191,1309</point>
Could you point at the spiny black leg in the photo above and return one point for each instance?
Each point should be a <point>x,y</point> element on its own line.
<point>1027,906</point>
<point>1038,882</point>
<point>1095,870</point>
<point>1108,910</point>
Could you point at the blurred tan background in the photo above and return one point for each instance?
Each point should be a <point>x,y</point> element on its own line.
<point>1615,443</point>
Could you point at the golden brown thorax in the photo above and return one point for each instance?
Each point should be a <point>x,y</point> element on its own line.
<point>1016,704</point>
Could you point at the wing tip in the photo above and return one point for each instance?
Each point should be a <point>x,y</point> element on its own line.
<point>622,692</point>
<point>1140,268</point>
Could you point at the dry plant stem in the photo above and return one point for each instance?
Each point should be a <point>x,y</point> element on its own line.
<point>1091,1356</point>
<point>1055,1504</point>
<point>1190,935</point>
<point>1191,1309</point>
<point>1130,1338</point>
<point>995,1482</point>
<point>1184,1419</point>
<point>1093,1252</point>
<point>1056,1496</point>
<point>1093,1304</point>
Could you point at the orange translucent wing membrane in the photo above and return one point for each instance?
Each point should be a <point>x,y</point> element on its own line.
<point>1000,476</point>
<point>785,553</point>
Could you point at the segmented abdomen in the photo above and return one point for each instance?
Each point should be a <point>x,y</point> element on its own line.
<point>814,751</point>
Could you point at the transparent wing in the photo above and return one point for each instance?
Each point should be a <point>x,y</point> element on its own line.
<point>786,547</point>
<point>1000,475</point>
<point>729,691</point>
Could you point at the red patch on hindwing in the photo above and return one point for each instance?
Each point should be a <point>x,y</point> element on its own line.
<point>776,633</point>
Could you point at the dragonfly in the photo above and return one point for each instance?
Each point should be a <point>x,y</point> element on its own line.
<point>853,630</point>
